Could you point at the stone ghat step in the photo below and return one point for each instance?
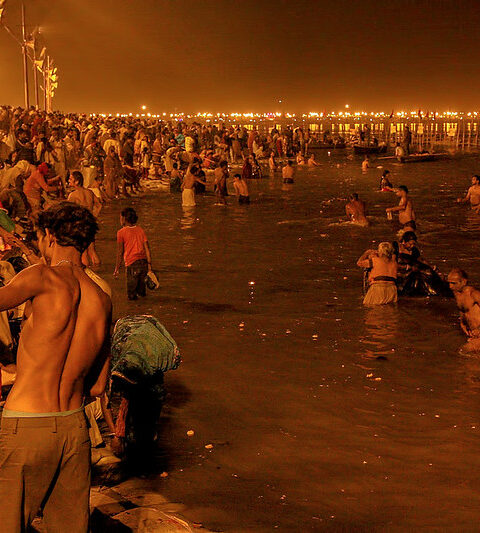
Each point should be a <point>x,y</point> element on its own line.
<point>132,506</point>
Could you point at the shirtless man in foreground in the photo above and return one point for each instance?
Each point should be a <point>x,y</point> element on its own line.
<point>468,301</point>
<point>63,357</point>
<point>473,194</point>
<point>406,214</point>
<point>356,210</point>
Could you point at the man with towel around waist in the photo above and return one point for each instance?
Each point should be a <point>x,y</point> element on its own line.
<point>63,356</point>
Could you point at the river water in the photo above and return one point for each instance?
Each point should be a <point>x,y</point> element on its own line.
<point>323,415</point>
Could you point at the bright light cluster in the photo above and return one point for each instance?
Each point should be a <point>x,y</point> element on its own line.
<point>355,115</point>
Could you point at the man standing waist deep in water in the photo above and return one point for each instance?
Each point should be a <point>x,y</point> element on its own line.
<point>468,301</point>
<point>63,356</point>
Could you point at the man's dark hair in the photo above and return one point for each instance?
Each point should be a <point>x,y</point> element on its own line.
<point>223,164</point>
<point>237,176</point>
<point>71,224</point>
<point>403,188</point>
<point>78,177</point>
<point>459,272</point>
<point>409,236</point>
<point>354,196</point>
<point>130,215</point>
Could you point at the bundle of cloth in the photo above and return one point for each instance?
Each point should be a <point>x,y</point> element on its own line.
<point>142,351</point>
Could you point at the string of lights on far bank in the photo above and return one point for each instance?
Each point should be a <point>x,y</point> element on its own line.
<point>271,116</point>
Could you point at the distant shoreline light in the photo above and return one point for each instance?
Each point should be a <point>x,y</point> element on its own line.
<point>354,115</point>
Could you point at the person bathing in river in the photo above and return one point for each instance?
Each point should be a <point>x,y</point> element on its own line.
<point>241,189</point>
<point>272,164</point>
<point>468,301</point>
<point>311,161</point>
<point>356,211</point>
<point>415,276</point>
<point>382,276</point>
<point>399,152</point>
<point>300,159</point>
<point>365,164</point>
<point>385,185</point>
<point>406,213</point>
<point>473,195</point>
<point>220,184</point>
<point>288,172</point>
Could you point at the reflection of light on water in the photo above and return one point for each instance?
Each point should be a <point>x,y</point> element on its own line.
<point>188,218</point>
<point>251,296</point>
<point>472,222</point>
<point>381,324</point>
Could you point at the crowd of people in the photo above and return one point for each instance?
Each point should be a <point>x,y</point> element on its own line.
<point>56,172</point>
<point>114,153</point>
<point>397,268</point>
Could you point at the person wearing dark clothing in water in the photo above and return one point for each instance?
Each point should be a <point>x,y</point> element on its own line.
<point>415,277</point>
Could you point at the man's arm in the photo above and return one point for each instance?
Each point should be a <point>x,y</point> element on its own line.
<point>364,260</point>
<point>466,199</point>
<point>400,207</point>
<point>25,285</point>
<point>45,186</point>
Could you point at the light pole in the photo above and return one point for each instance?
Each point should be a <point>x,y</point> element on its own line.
<point>25,58</point>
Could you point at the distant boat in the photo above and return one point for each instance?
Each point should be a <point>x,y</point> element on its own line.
<point>326,146</point>
<point>365,150</point>
<point>419,158</point>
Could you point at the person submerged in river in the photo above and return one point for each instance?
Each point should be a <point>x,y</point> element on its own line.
<point>406,213</point>
<point>383,274</point>
<point>385,185</point>
<point>468,301</point>
<point>356,210</point>
<point>300,159</point>
<point>473,195</point>
<point>311,161</point>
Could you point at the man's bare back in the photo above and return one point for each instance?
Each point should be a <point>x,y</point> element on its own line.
<point>67,320</point>
<point>84,197</point>
<point>63,356</point>
<point>188,180</point>
<point>288,172</point>
<point>356,211</point>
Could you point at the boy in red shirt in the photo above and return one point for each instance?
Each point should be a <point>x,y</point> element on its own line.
<point>132,246</point>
